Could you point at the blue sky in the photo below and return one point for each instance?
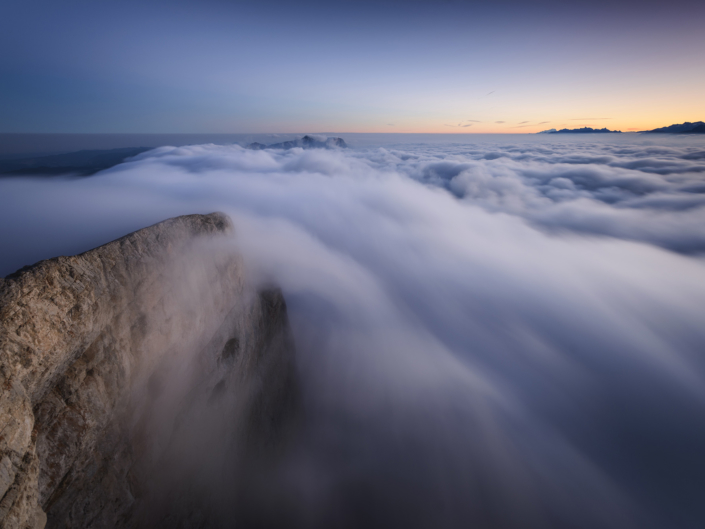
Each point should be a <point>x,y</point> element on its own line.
<point>219,66</point>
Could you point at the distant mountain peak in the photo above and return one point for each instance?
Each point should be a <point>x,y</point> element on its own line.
<point>310,141</point>
<point>584,130</point>
<point>697,127</point>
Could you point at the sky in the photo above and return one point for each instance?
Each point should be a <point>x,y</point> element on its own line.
<point>217,66</point>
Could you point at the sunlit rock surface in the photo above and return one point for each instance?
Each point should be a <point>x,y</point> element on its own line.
<point>137,378</point>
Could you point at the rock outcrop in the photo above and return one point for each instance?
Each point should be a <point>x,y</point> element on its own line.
<point>307,142</point>
<point>137,376</point>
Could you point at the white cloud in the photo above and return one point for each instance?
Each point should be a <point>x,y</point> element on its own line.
<point>467,335</point>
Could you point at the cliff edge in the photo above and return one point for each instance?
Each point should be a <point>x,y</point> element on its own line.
<point>134,375</point>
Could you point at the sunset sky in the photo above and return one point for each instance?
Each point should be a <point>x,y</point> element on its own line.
<point>273,66</point>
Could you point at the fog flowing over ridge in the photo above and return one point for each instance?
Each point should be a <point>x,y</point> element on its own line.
<point>505,335</point>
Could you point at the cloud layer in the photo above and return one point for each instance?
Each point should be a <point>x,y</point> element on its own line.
<point>493,335</point>
<point>649,193</point>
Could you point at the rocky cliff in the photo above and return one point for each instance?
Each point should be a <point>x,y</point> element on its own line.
<point>136,378</point>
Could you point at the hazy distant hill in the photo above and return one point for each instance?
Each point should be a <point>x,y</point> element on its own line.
<point>584,130</point>
<point>307,142</point>
<point>684,128</point>
<point>81,163</point>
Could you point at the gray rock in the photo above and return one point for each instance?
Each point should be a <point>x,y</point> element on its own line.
<point>132,374</point>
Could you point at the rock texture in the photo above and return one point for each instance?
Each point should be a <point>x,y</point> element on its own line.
<point>136,378</point>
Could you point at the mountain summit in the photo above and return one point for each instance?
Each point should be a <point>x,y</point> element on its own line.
<point>697,127</point>
<point>584,130</point>
<point>116,361</point>
<point>307,142</point>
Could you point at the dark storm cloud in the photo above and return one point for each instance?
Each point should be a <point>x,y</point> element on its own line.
<point>491,328</point>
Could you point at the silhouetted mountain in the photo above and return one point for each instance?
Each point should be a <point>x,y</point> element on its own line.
<point>80,163</point>
<point>256,146</point>
<point>307,142</point>
<point>684,128</point>
<point>584,130</point>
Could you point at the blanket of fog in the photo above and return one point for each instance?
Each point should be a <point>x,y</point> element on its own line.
<point>490,335</point>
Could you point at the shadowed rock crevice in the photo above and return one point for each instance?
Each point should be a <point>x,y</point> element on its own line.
<point>137,378</point>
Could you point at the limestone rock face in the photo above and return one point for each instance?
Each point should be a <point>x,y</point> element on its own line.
<point>137,376</point>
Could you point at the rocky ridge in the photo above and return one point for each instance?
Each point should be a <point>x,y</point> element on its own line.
<point>307,142</point>
<point>697,127</point>
<point>134,373</point>
<point>583,130</point>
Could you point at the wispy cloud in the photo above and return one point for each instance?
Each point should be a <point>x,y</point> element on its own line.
<point>543,122</point>
<point>392,305</point>
<point>522,122</point>
<point>499,121</point>
<point>586,119</point>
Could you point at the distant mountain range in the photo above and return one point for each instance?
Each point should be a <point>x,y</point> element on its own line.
<point>684,128</point>
<point>81,163</point>
<point>307,142</point>
<point>584,130</point>
<point>89,162</point>
<point>697,127</point>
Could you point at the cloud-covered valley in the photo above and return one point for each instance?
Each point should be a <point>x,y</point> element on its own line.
<point>645,193</point>
<point>492,335</point>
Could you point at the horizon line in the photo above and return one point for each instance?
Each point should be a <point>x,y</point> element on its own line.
<point>225,133</point>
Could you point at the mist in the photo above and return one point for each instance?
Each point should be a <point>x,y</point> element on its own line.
<point>494,335</point>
